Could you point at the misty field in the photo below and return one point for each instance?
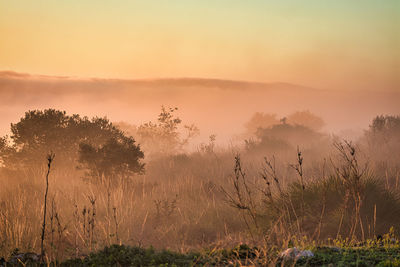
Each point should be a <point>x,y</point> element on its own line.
<point>199,133</point>
<point>139,196</point>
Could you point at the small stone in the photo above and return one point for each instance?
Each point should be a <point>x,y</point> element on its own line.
<point>295,254</point>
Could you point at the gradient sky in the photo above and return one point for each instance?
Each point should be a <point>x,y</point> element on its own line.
<point>339,44</point>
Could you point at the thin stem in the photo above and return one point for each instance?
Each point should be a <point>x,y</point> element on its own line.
<point>50,159</point>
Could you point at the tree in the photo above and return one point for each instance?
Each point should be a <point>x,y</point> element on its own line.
<point>40,132</point>
<point>3,149</point>
<point>285,137</point>
<point>307,119</point>
<point>383,139</point>
<point>260,120</point>
<point>164,136</point>
<point>385,128</point>
<point>292,135</point>
<point>117,157</point>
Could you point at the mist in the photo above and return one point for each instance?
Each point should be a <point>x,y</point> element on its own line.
<point>220,107</point>
<point>191,163</point>
<point>199,133</point>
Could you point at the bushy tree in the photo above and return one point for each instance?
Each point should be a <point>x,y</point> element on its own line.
<point>383,144</point>
<point>117,157</point>
<point>306,119</point>
<point>3,143</point>
<point>260,120</point>
<point>127,128</point>
<point>267,120</point>
<point>384,129</point>
<point>164,137</point>
<point>284,137</point>
<point>40,132</point>
<point>3,149</point>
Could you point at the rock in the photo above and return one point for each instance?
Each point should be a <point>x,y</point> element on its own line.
<point>294,254</point>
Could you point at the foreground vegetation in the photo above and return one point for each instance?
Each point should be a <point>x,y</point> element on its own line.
<point>289,186</point>
<point>384,252</point>
<point>240,256</point>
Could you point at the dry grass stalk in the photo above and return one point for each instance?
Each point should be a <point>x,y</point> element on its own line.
<point>50,159</point>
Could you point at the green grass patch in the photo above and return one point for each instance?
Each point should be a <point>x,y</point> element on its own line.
<point>117,255</point>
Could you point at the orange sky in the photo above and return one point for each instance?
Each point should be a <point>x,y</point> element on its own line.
<point>325,44</point>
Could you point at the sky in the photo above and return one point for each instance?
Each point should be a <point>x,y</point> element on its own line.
<point>334,44</point>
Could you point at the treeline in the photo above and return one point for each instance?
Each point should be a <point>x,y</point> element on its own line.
<point>96,145</point>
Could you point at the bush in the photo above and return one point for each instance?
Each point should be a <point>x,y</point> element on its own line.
<point>325,204</point>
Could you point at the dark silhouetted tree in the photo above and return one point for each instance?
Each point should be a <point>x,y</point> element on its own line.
<point>284,136</point>
<point>116,158</point>
<point>39,132</point>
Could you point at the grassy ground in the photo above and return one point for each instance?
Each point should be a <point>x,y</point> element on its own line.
<point>240,256</point>
<point>370,253</point>
<point>85,218</point>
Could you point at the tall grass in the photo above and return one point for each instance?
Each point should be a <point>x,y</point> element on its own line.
<point>179,204</point>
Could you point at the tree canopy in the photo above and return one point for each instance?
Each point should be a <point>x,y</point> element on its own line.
<point>261,120</point>
<point>40,132</point>
<point>114,158</point>
<point>307,119</point>
<point>383,138</point>
<point>164,136</point>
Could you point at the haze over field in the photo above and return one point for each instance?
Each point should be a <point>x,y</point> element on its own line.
<point>243,133</point>
<point>338,59</point>
<point>218,107</point>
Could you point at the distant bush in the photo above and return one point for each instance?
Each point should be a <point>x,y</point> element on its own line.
<point>164,137</point>
<point>267,120</point>
<point>382,144</point>
<point>260,120</point>
<point>306,119</point>
<point>284,138</point>
<point>383,138</point>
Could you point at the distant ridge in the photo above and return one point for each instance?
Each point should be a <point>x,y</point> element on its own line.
<point>217,106</point>
<point>158,82</point>
<point>23,75</point>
